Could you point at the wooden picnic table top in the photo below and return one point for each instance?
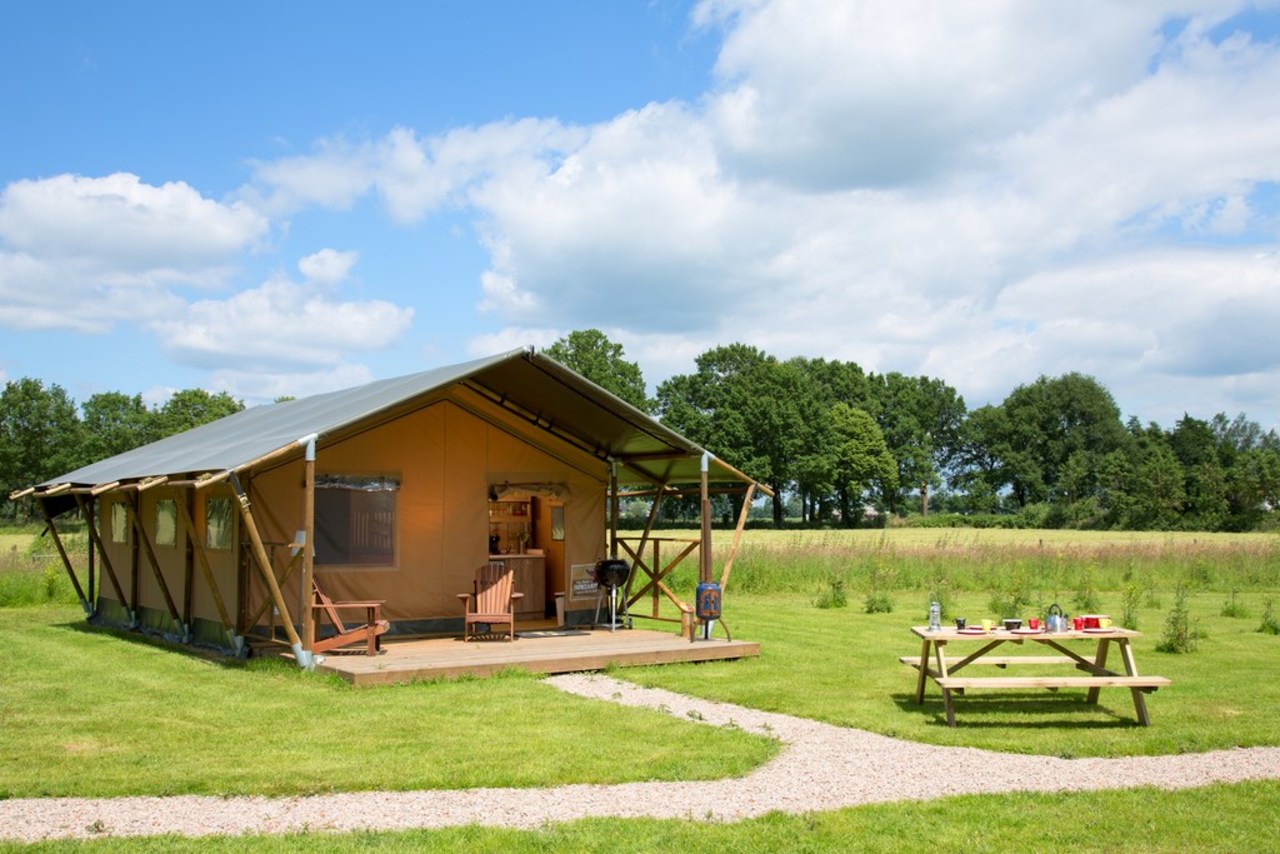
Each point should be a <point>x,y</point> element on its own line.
<point>950,633</point>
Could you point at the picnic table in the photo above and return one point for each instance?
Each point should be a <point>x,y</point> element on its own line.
<point>934,663</point>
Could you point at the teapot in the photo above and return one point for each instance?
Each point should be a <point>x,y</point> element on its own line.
<point>1056,621</point>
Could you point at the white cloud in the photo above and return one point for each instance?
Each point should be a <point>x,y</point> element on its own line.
<point>280,325</point>
<point>258,386</point>
<point>328,266</point>
<point>879,184</point>
<point>82,253</point>
<point>412,175</point>
<point>981,191</point>
<point>882,93</point>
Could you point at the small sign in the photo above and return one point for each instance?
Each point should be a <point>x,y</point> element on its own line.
<point>582,581</point>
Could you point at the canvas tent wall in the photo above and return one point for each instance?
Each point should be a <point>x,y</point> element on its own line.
<point>188,524</point>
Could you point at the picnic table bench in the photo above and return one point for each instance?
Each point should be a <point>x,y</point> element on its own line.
<point>933,663</point>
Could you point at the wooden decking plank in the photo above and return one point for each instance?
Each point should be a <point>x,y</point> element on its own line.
<point>405,661</point>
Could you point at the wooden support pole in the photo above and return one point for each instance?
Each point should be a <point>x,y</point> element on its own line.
<point>259,552</point>
<point>737,537</point>
<point>88,521</point>
<point>95,540</point>
<point>135,580</point>
<point>202,559</point>
<point>66,561</point>
<point>284,576</point>
<point>145,541</point>
<point>613,509</point>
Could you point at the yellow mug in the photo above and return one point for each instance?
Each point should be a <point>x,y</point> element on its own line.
<point>986,625</point>
<point>1104,623</point>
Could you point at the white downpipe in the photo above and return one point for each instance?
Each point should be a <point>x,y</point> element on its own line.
<point>304,658</point>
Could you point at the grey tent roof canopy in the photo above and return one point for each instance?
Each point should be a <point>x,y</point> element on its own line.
<point>525,382</point>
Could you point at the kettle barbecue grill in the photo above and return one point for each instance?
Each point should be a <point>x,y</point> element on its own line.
<point>611,576</point>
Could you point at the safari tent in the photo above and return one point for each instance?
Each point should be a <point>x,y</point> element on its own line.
<point>395,491</point>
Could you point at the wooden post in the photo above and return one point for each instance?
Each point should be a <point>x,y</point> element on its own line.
<point>136,518</point>
<point>88,521</point>
<point>95,540</point>
<point>644,539</point>
<point>737,536</point>
<point>197,548</point>
<point>135,565</point>
<point>259,552</point>
<point>613,509</point>
<point>66,561</point>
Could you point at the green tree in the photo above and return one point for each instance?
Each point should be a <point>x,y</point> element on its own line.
<point>748,407</point>
<point>592,354</point>
<point>115,423</point>
<point>979,467</point>
<point>921,420</point>
<point>191,408</point>
<point>862,459</point>
<point>40,435</point>
<point>1048,422</point>
<point>1158,492</point>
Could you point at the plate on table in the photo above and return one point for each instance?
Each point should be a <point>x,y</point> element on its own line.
<point>971,631</point>
<point>1027,631</point>
<point>1099,631</point>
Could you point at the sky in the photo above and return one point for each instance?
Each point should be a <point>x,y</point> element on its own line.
<point>287,198</point>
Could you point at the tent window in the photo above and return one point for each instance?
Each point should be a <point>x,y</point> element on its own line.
<point>356,520</point>
<point>119,523</point>
<point>217,523</point>
<point>166,522</point>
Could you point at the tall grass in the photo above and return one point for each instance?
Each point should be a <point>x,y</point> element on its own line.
<point>32,573</point>
<point>1016,567</point>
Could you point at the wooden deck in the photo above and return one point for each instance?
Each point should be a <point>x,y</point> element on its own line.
<point>536,650</point>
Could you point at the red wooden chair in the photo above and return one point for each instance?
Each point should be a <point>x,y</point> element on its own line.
<point>369,631</point>
<point>493,601</point>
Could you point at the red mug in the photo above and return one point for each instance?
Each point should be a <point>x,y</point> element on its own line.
<point>1033,623</point>
<point>1077,623</point>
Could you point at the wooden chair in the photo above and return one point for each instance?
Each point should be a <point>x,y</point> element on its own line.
<point>493,602</point>
<point>369,631</point>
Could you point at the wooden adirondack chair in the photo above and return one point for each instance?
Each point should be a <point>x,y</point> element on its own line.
<point>493,602</point>
<point>369,631</point>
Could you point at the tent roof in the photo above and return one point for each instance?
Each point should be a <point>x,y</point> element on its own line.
<point>547,394</point>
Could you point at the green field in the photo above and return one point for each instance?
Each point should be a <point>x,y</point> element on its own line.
<point>106,715</point>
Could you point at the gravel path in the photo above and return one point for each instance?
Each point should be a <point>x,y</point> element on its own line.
<point>821,767</point>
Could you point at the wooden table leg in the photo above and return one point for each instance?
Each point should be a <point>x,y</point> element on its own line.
<point>924,672</point>
<point>949,706</point>
<point>1100,662</point>
<point>1131,669</point>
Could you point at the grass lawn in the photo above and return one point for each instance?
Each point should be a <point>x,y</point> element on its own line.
<point>99,715</point>
<point>840,665</point>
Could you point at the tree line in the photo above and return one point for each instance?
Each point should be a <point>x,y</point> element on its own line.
<point>43,433</point>
<point>835,443</point>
